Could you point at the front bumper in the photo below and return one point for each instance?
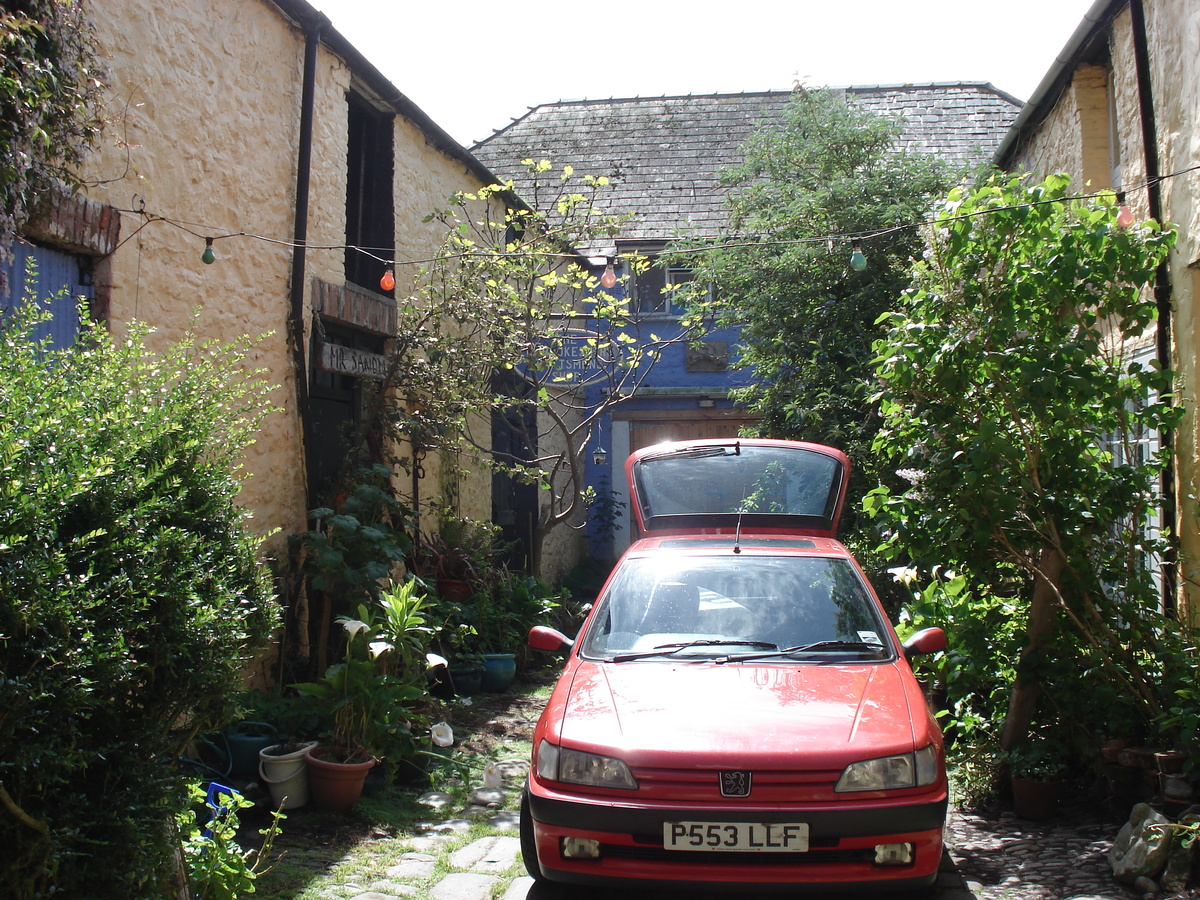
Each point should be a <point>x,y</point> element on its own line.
<point>842,841</point>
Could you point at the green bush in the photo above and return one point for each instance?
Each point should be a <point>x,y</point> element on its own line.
<point>130,598</point>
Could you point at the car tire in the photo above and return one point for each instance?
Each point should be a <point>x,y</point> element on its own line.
<point>528,844</point>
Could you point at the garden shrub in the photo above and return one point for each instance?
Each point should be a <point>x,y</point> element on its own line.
<point>1016,406</point>
<point>130,598</point>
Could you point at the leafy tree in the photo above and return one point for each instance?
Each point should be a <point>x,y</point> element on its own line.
<point>130,598</point>
<point>513,333</point>
<point>50,87</point>
<point>1011,401</point>
<point>826,168</point>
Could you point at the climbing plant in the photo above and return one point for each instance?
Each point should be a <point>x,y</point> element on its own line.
<point>50,85</point>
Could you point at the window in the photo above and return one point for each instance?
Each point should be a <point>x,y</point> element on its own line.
<point>1137,448</point>
<point>662,289</point>
<point>370,215</point>
<point>1114,136</point>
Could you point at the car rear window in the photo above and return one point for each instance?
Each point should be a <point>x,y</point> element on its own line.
<point>782,601</point>
<point>748,480</point>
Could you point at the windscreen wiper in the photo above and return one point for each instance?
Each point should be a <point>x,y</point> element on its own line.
<point>698,452</point>
<point>670,649</point>
<point>816,646</point>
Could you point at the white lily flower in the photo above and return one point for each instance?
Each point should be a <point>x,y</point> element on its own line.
<point>432,661</point>
<point>376,648</point>
<point>442,734</point>
<point>353,626</point>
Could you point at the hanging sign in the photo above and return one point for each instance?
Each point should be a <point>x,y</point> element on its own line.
<point>348,361</point>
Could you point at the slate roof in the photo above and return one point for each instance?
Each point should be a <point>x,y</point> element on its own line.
<point>665,154</point>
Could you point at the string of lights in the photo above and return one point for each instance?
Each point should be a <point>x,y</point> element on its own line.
<point>857,261</point>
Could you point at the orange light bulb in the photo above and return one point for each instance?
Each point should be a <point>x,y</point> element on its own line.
<point>388,281</point>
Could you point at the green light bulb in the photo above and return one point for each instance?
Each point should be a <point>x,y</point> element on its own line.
<point>208,257</point>
<point>858,261</point>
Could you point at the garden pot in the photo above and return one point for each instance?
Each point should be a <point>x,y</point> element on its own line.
<point>499,670</point>
<point>245,740</point>
<point>1035,799</point>
<point>335,786</point>
<point>466,681</point>
<point>1170,762</point>
<point>454,590</point>
<point>285,774</point>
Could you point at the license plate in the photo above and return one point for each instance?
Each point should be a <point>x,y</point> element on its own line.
<point>769,837</point>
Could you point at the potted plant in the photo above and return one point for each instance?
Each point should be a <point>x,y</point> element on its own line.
<point>1037,770</point>
<point>369,699</point>
<point>504,617</point>
<point>457,558</point>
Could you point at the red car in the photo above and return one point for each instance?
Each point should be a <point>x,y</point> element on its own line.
<point>736,709</point>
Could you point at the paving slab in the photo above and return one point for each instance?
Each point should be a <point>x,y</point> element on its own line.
<point>393,889</point>
<point>413,867</point>
<point>508,820</point>
<point>464,886</point>
<point>491,855</point>
<point>519,889</point>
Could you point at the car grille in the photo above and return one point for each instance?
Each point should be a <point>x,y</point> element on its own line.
<point>686,785</point>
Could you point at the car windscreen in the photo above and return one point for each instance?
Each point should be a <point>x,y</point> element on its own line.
<point>715,606</point>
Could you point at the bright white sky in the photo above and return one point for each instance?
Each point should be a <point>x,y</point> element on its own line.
<point>473,66</point>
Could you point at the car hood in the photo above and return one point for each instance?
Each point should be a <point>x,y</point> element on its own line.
<point>657,713</point>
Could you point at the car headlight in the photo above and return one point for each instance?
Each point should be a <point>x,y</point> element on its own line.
<point>556,763</point>
<point>907,770</point>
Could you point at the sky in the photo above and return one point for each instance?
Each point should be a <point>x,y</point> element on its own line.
<point>474,66</point>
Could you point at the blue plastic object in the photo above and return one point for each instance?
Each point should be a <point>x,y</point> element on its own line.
<point>213,800</point>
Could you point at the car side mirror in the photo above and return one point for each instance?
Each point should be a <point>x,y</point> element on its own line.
<point>927,640</point>
<point>543,637</point>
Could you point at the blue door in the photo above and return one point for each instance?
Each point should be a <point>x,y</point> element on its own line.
<point>55,278</point>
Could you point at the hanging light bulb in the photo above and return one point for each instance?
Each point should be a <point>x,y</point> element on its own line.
<point>1124,213</point>
<point>858,260</point>
<point>388,281</point>
<point>208,257</point>
<point>609,278</point>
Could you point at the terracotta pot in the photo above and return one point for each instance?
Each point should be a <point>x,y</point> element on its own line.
<point>454,590</point>
<point>335,786</point>
<point>1170,762</point>
<point>1035,799</point>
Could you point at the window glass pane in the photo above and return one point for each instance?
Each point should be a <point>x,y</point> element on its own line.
<point>650,286</point>
<point>751,479</point>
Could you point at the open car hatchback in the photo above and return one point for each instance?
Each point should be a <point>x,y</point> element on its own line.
<point>736,710</point>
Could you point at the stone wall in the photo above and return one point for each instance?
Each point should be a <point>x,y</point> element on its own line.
<point>204,101</point>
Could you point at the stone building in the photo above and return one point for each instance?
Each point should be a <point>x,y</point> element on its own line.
<point>1120,110</point>
<point>665,156</point>
<point>254,130</point>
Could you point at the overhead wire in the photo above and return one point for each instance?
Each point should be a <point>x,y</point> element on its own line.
<point>387,256</point>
